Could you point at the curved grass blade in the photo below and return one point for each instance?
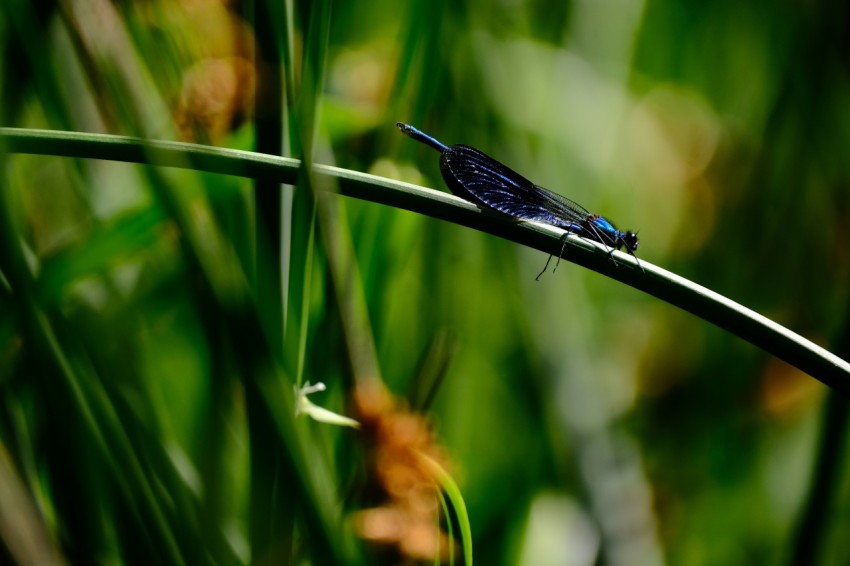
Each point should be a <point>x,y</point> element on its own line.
<point>687,295</point>
<point>452,491</point>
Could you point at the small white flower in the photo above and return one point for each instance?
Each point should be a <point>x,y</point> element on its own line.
<point>303,406</point>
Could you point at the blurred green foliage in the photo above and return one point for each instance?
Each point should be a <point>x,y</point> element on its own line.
<point>146,368</point>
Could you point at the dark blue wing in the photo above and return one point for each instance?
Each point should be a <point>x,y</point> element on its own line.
<point>478,177</point>
<point>475,176</point>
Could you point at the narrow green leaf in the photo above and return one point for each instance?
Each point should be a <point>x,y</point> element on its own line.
<point>452,491</point>
<point>689,296</point>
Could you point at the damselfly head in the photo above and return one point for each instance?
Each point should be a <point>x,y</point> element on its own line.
<point>630,240</point>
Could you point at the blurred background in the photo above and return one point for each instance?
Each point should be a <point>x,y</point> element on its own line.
<point>154,321</point>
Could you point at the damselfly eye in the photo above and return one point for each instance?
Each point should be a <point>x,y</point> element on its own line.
<point>630,240</point>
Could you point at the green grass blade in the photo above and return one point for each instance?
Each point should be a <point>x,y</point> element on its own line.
<point>273,499</point>
<point>85,402</point>
<point>452,491</point>
<point>669,287</point>
<point>449,530</point>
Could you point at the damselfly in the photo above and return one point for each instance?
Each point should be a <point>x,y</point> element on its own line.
<point>477,177</point>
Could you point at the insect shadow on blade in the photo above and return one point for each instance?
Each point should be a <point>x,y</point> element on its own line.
<point>475,176</point>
